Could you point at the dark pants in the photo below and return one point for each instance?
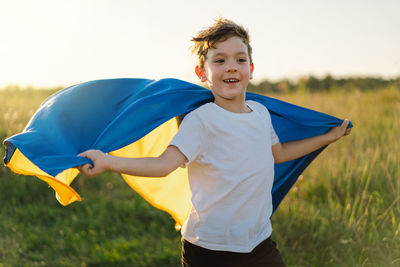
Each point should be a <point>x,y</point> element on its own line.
<point>265,254</point>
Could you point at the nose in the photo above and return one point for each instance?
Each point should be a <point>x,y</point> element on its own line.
<point>231,70</point>
<point>231,67</point>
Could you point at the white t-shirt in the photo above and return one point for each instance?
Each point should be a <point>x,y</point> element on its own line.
<point>231,172</point>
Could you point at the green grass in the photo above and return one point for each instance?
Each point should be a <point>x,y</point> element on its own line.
<point>343,211</point>
<point>112,226</point>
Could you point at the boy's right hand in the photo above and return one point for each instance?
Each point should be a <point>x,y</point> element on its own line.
<point>99,159</point>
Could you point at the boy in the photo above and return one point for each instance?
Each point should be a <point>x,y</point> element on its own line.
<point>230,148</point>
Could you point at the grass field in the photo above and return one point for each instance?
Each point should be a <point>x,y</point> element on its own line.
<point>343,211</point>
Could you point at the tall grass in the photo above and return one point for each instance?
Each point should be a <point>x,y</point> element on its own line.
<point>343,211</point>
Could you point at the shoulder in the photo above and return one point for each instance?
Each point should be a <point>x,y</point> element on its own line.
<point>254,105</point>
<point>261,111</point>
<point>200,112</point>
<point>199,115</point>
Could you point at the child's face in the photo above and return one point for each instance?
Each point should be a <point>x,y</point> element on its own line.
<point>227,69</point>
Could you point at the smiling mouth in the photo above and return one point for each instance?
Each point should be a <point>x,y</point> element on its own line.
<point>231,81</point>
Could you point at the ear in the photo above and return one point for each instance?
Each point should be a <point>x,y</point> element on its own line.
<point>200,73</point>
<point>251,70</point>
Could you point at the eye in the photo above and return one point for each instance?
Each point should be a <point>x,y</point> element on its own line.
<point>219,61</point>
<point>242,60</point>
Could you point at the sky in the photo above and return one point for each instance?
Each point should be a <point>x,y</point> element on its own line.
<point>45,43</point>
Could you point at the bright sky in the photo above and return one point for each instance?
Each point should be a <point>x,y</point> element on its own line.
<point>52,42</point>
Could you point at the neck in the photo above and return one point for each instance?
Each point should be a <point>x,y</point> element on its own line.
<point>234,105</point>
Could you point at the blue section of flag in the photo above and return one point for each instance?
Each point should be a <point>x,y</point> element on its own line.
<point>111,114</point>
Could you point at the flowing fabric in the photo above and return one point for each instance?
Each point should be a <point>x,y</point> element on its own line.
<point>138,118</point>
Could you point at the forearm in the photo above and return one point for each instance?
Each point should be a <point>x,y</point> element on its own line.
<point>160,166</point>
<point>296,149</point>
<point>148,167</point>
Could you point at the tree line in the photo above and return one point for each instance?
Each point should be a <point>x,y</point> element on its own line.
<point>328,83</point>
<point>305,84</point>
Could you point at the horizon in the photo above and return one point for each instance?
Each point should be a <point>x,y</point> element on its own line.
<point>293,81</point>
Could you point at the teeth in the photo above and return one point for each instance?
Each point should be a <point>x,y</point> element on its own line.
<point>231,80</point>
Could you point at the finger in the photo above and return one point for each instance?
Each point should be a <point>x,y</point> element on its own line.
<point>86,168</point>
<point>83,154</point>
<point>79,167</point>
<point>86,154</point>
<point>344,125</point>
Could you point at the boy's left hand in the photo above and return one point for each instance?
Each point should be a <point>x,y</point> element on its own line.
<point>339,131</point>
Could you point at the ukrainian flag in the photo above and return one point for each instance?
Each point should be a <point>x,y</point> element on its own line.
<point>138,118</point>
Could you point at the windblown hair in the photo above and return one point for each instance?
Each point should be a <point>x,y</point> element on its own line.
<point>222,30</point>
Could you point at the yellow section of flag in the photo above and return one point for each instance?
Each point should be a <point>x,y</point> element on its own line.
<point>171,193</point>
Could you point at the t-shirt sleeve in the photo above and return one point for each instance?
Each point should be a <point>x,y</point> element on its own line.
<point>189,137</point>
<point>274,137</point>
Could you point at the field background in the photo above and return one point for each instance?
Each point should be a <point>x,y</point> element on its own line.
<point>343,211</point>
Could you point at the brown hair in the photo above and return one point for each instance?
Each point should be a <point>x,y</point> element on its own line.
<point>219,32</point>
